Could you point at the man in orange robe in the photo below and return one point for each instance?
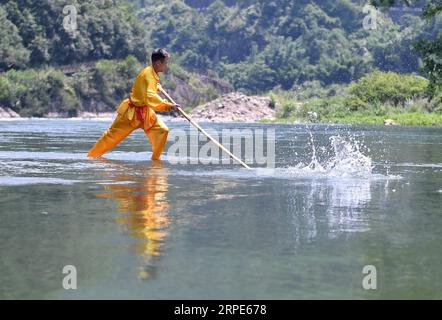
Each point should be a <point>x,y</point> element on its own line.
<point>138,111</point>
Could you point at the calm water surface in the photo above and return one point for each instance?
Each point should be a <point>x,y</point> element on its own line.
<point>340,198</point>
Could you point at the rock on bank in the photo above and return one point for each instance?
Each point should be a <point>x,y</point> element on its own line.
<point>235,107</point>
<point>8,113</point>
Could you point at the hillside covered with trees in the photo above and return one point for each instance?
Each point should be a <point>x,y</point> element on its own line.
<point>255,46</point>
<point>259,44</point>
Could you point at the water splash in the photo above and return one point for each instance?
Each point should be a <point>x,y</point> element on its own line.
<point>346,160</point>
<point>342,158</point>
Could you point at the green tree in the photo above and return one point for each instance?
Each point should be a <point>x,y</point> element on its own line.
<point>385,88</point>
<point>106,29</point>
<point>12,51</point>
<point>430,49</point>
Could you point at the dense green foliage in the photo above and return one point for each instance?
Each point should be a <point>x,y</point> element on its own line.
<point>259,45</point>
<point>430,49</point>
<point>35,35</point>
<point>98,89</point>
<point>305,50</point>
<point>38,92</point>
<point>372,99</point>
<point>385,88</point>
<point>12,51</point>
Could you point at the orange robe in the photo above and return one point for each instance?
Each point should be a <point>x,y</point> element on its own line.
<point>144,95</point>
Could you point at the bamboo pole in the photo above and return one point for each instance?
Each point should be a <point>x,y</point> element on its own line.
<point>196,125</point>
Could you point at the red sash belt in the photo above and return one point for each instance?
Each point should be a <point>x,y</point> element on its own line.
<point>138,110</point>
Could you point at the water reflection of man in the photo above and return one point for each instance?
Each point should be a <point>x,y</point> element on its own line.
<point>144,207</point>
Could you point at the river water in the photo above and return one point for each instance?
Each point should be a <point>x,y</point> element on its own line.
<point>340,198</point>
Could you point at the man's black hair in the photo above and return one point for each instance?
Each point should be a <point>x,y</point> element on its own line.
<point>159,54</point>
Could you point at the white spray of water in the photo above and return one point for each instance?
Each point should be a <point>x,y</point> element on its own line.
<point>347,160</point>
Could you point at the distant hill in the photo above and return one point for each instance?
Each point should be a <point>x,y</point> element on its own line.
<point>253,46</point>
<point>258,45</point>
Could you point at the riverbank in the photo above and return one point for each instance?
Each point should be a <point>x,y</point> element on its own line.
<point>416,119</point>
<point>405,119</point>
<point>378,98</point>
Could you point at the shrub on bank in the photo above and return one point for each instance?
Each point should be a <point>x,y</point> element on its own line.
<point>385,88</point>
<point>36,92</point>
<point>376,95</point>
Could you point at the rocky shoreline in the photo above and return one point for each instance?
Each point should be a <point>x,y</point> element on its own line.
<point>84,115</point>
<point>8,113</point>
<point>235,107</point>
<point>231,107</point>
